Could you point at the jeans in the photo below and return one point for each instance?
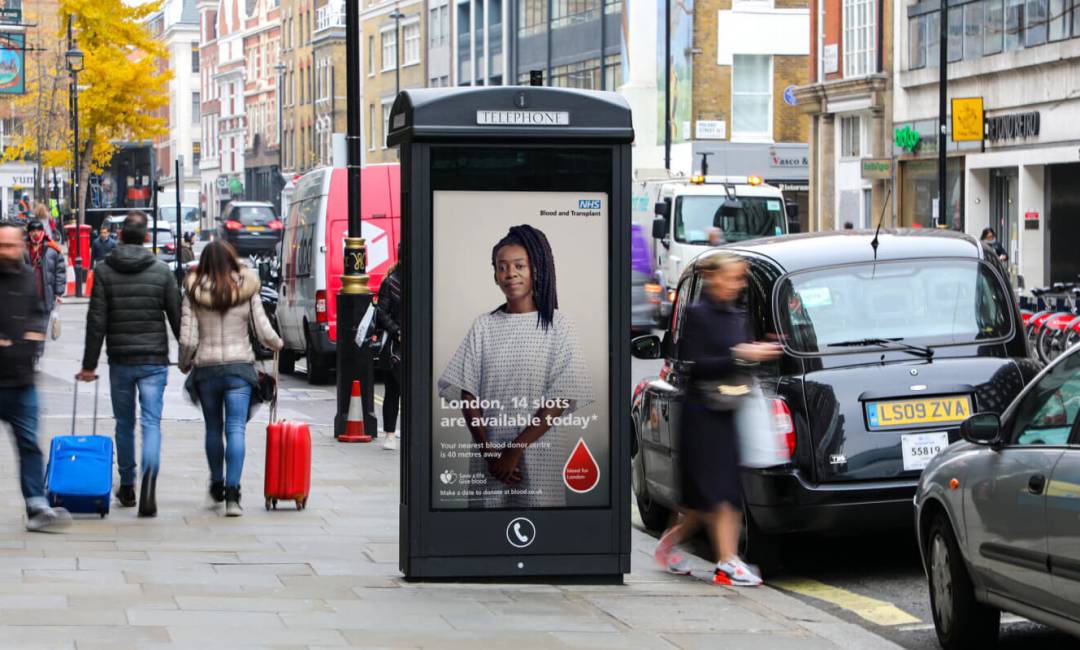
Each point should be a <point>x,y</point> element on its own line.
<point>391,403</point>
<point>19,408</point>
<point>150,379</point>
<point>225,402</point>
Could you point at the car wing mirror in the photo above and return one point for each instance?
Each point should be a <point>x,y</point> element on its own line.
<point>646,347</point>
<point>982,429</point>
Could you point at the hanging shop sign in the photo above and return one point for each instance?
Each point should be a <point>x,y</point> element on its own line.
<point>12,64</point>
<point>967,119</point>
<point>1012,126</point>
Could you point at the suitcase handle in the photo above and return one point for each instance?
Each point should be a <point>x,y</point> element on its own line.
<point>75,407</point>
<point>277,388</point>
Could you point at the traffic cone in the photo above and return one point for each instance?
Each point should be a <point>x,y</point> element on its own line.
<point>89,283</point>
<point>354,425</point>
<point>70,281</point>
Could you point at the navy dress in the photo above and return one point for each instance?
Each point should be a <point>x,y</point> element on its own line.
<point>709,451</point>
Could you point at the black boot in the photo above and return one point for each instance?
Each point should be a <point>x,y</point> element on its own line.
<point>232,502</point>
<point>126,496</point>
<point>148,496</point>
<point>217,491</point>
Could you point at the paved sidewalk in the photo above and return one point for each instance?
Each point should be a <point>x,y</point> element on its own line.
<point>327,576</point>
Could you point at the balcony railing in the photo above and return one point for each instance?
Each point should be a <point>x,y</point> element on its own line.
<point>330,15</point>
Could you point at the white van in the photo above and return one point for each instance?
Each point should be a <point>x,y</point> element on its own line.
<point>312,261</point>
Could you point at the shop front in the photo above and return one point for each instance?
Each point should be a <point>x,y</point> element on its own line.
<point>918,206</point>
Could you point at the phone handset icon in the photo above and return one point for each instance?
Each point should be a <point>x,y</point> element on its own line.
<point>522,537</point>
<point>520,532</point>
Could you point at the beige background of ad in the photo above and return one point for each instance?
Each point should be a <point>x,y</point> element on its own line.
<point>465,227</point>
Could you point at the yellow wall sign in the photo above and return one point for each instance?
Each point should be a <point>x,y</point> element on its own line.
<point>967,119</point>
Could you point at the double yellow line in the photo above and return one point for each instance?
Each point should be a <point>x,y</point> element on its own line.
<point>876,611</point>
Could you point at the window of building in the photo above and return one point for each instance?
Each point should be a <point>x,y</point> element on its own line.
<point>1014,25</point>
<point>1059,20</point>
<point>565,13</point>
<point>1036,17</point>
<point>533,16</point>
<point>389,49</point>
<point>917,42</point>
<point>373,135</point>
<point>371,56</point>
<point>385,122</point>
<point>933,39</point>
<point>439,26</point>
<point>751,97</point>
<point>850,136</point>
<point>196,108</point>
<point>859,38</point>
<point>994,26</point>
<point>195,57</point>
<point>956,33</point>
<point>411,34</point>
<point>973,24</point>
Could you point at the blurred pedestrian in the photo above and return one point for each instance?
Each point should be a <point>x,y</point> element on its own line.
<point>716,340</point>
<point>221,303</point>
<point>134,304</point>
<point>46,258</point>
<point>21,333</point>
<point>388,320</point>
<point>102,246</point>
<point>187,248</point>
<point>989,237</point>
<point>22,207</point>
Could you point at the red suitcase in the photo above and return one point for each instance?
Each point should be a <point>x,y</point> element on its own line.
<point>288,463</point>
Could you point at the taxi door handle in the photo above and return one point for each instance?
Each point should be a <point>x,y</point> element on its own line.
<point>1036,484</point>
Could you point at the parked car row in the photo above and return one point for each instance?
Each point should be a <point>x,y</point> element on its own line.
<point>901,349</point>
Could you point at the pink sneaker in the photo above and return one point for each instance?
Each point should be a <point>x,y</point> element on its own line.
<point>672,560</point>
<point>734,572</point>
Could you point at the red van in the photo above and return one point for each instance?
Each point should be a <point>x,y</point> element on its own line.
<point>311,258</point>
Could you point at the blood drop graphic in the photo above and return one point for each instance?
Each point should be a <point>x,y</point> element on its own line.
<point>581,473</point>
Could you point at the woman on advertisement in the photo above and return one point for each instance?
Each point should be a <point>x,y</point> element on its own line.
<point>518,371</point>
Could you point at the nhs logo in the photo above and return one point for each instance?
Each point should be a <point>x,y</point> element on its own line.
<point>588,204</point>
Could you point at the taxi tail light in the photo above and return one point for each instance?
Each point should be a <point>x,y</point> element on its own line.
<point>653,291</point>
<point>275,225</point>
<point>233,225</point>
<point>784,425</point>
<point>320,306</point>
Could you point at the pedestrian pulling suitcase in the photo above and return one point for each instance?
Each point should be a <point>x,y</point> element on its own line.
<point>80,472</point>
<point>288,459</point>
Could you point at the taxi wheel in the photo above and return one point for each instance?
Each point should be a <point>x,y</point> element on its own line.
<point>655,516</point>
<point>286,361</point>
<point>758,548</point>
<point>961,621</point>
<point>318,369</point>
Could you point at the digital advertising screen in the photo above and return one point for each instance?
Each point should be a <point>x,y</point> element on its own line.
<point>520,350</point>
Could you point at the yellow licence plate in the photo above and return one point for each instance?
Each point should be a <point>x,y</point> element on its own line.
<point>256,228</point>
<point>950,409</point>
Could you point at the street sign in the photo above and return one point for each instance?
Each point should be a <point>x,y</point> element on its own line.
<point>9,16</point>
<point>710,130</point>
<point>876,168</point>
<point>517,461</point>
<point>967,119</point>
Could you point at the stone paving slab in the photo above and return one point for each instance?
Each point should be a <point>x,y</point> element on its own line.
<point>327,577</point>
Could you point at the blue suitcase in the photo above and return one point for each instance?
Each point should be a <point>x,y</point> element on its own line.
<point>80,472</point>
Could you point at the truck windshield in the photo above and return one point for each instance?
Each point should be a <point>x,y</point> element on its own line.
<point>696,216</point>
<point>190,213</point>
<point>922,302</point>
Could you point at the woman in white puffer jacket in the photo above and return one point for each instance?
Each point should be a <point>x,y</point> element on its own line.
<point>221,305</point>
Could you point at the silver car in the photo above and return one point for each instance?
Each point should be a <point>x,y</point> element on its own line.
<point>998,515</point>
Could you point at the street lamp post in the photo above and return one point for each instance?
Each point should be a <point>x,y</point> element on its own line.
<point>397,16</point>
<point>353,363</point>
<point>280,185</point>
<point>943,92</point>
<point>74,59</point>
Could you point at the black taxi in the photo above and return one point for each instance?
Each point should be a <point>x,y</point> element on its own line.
<point>890,340</point>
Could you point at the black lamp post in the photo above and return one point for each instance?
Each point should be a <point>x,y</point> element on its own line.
<point>397,16</point>
<point>74,58</point>
<point>355,297</point>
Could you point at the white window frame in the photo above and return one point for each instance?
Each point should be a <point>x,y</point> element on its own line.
<point>372,135</point>
<point>851,124</point>
<point>386,106</point>
<point>411,42</point>
<point>745,136</point>
<point>752,5</point>
<point>371,56</point>
<point>860,38</point>
<point>387,40</point>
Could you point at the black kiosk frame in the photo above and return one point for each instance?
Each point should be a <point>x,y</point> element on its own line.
<point>511,139</point>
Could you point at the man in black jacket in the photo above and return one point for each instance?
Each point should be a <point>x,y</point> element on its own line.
<point>134,296</point>
<point>21,330</point>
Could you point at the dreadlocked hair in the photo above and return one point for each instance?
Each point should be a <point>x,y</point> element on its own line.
<point>542,266</point>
